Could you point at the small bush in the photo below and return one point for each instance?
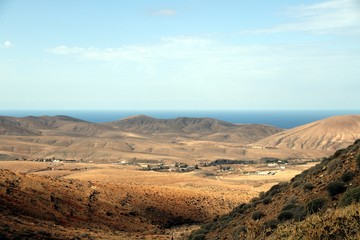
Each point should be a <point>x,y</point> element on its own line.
<point>315,170</point>
<point>296,184</point>
<point>315,205</point>
<point>350,196</point>
<point>266,200</point>
<point>299,213</point>
<point>334,164</point>
<point>358,161</point>
<point>348,176</point>
<point>292,199</point>
<point>241,208</point>
<point>285,216</point>
<point>335,188</point>
<point>199,236</point>
<point>262,195</point>
<point>339,152</point>
<point>298,210</point>
<point>308,187</point>
<point>272,224</point>
<point>289,206</point>
<point>257,215</point>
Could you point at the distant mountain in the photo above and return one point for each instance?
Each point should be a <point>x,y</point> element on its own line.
<point>49,125</point>
<point>287,210</point>
<point>327,134</point>
<point>201,128</point>
<point>144,123</point>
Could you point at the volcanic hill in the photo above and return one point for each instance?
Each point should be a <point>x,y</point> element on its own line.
<point>328,134</point>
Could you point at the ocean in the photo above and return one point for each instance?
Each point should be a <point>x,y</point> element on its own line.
<point>282,119</point>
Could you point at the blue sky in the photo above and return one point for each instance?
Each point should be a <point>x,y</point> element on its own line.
<point>179,54</point>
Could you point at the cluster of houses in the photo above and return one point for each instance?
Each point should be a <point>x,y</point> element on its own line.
<point>54,160</point>
<point>161,167</point>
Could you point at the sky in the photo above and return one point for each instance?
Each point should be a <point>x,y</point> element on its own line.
<point>179,54</point>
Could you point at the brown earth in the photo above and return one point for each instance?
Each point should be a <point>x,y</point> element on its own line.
<point>141,137</point>
<point>291,202</point>
<point>107,201</point>
<point>328,134</point>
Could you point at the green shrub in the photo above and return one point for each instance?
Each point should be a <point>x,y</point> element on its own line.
<point>298,210</point>
<point>339,152</point>
<point>289,206</point>
<point>296,184</point>
<point>335,188</point>
<point>257,215</point>
<point>271,224</point>
<point>292,199</point>
<point>315,205</point>
<point>316,169</point>
<point>348,176</point>
<point>266,200</point>
<point>299,213</point>
<point>334,164</point>
<point>350,196</point>
<point>285,216</point>
<point>308,187</point>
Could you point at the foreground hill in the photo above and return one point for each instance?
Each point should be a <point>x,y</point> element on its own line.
<point>327,134</point>
<point>286,210</point>
<point>199,128</point>
<point>94,201</point>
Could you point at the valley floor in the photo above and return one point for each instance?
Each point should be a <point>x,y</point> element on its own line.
<point>163,204</point>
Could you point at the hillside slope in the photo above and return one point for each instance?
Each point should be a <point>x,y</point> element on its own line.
<point>327,134</point>
<point>49,125</point>
<point>332,184</point>
<point>198,128</point>
<point>42,207</point>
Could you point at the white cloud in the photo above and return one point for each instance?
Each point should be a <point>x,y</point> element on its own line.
<point>331,16</point>
<point>165,12</point>
<point>167,48</point>
<point>8,44</point>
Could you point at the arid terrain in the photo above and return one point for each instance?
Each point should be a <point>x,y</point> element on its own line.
<point>190,140</point>
<point>320,203</point>
<point>145,178</point>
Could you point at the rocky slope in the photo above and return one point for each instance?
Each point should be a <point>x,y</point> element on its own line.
<point>329,186</point>
<point>42,207</point>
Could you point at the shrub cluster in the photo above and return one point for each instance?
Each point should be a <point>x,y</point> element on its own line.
<point>266,200</point>
<point>308,187</point>
<point>285,215</point>
<point>296,184</point>
<point>334,164</point>
<point>348,176</point>
<point>257,215</point>
<point>339,152</point>
<point>335,188</point>
<point>350,196</point>
<point>271,224</point>
<point>315,205</point>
